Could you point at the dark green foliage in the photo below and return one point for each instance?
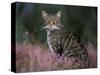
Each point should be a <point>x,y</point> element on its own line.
<point>19,32</point>
<point>77,19</point>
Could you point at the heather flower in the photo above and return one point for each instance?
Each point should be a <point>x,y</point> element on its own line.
<point>38,58</point>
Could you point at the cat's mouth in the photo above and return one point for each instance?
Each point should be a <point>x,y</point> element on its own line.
<point>50,28</point>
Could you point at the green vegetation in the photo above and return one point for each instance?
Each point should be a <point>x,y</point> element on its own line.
<point>78,19</point>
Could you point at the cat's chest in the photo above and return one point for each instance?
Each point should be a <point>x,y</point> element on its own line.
<point>49,41</point>
<point>53,39</point>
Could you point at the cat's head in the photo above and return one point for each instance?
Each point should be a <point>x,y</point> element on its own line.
<point>51,21</point>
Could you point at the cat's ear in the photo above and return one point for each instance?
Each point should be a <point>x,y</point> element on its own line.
<point>44,13</point>
<point>58,14</point>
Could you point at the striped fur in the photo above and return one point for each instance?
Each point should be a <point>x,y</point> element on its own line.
<point>62,42</point>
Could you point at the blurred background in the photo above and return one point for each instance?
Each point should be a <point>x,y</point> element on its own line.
<point>81,20</point>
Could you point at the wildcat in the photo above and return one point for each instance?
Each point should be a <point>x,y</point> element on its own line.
<point>62,42</point>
